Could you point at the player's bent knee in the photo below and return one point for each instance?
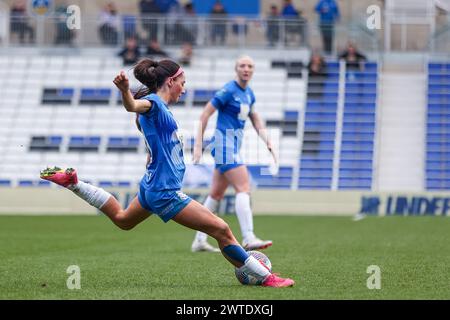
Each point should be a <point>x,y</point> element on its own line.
<point>222,231</point>
<point>123,222</point>
<point>242,188</point>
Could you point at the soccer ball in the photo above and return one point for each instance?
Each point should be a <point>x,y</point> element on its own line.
<point>248,279</point>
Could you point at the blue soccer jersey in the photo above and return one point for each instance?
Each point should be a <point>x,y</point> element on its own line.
<point>166,169</point>
<point>233,104</point>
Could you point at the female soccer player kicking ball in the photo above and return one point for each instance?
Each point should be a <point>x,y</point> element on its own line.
<point>159,191</point>
<point>234,103</point>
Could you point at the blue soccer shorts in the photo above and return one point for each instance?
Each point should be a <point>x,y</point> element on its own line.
<point>225,167</point>
<point>165,204</point>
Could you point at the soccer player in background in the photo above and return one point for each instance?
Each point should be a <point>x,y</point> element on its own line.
<point>160,188</point>
<point>234,103</point>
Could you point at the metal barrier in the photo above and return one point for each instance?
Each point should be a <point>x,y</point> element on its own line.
<point>52,30</point>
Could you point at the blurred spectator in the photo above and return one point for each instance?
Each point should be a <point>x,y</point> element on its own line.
<point>148,8</point>
<point>316,65</point>
<point>353,58</point>
<point>130,53</point>
<point>273,25</point>
<point>189,24</point>
<point>316,75</point>
<point>19,21</point>
<point>172,21</point>
<point>218,25</point>
<point>328,11</point>
<point>181,24</point>
<point>63,34</point>
<point>295,24</point>
<point>289,9</point>
<point>186,54</point>
<point>239,26</point>
<point>154,49</point>
<point>109,24</point>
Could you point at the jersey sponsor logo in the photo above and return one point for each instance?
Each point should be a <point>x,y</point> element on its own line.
<point>221,92</point>
<point>182,195</point>
<point>244,110</point>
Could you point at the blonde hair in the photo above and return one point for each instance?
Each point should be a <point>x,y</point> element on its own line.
<point>244,56</point>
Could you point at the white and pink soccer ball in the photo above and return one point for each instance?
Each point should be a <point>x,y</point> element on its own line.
<point>248,279</point>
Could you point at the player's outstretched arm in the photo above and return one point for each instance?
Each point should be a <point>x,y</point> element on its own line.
<point>131,105</point>
<point>203,123</point>
<point>260,128</point>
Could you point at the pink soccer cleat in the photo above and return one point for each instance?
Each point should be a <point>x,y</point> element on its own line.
<point>64,178</point>
<point>273,280</point>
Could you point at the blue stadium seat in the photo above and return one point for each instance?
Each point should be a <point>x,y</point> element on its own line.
<point>359,117</point>
<point>318,145</point>
<point>354,127</point>
<point>320,126</point>
<point>123,144</point>
<point>321,155</point>
<point>314,183</point>
<point>331,86</point>
<point>5,182</point>
<point>363,105</point>
<point>201,97</point>
<point>332,65</point>
<point>316,173</point>
<point>261,177</point>
<point>316,164</point>
<point>34,183</point>
<point>357,146</point>
<point>95,96</point>
<point>311,116</point>
<point>114,184</point>
<point>371,67</point>
<point>359,155</point>
<point>84,144</point>
<point>357,136</point>
<point>356,164</point>
<point>45,143</point>
<point>291,115</point>
<point>355,183</point>
<point>355,173</point>
<point>57,96</point>
<point>333,76</point>
<point>318,136</point>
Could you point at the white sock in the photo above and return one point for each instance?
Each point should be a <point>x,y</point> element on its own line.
<point>255,268</point>
<point>244,214</point>
<point>93,195</point>
<point>211,204</point>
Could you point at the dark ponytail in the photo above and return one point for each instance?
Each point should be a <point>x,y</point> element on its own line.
<point>153,74</point>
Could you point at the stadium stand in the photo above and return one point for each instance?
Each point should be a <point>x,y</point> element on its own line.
<point>103,135</point>
<point>357,147</point>
<point>438,132</point>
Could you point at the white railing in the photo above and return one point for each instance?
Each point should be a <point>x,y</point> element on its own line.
<point>257,32</point>
<point>404,13</point>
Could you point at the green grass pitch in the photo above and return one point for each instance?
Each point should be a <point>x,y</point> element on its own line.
<point>327,256</point>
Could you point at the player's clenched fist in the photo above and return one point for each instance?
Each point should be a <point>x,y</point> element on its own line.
<point>121,81</point>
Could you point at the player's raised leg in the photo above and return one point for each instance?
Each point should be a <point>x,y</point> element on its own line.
<point>198,217</point>
<point>218,188</point>
<point>98,198</point>
<point>238,177</point>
